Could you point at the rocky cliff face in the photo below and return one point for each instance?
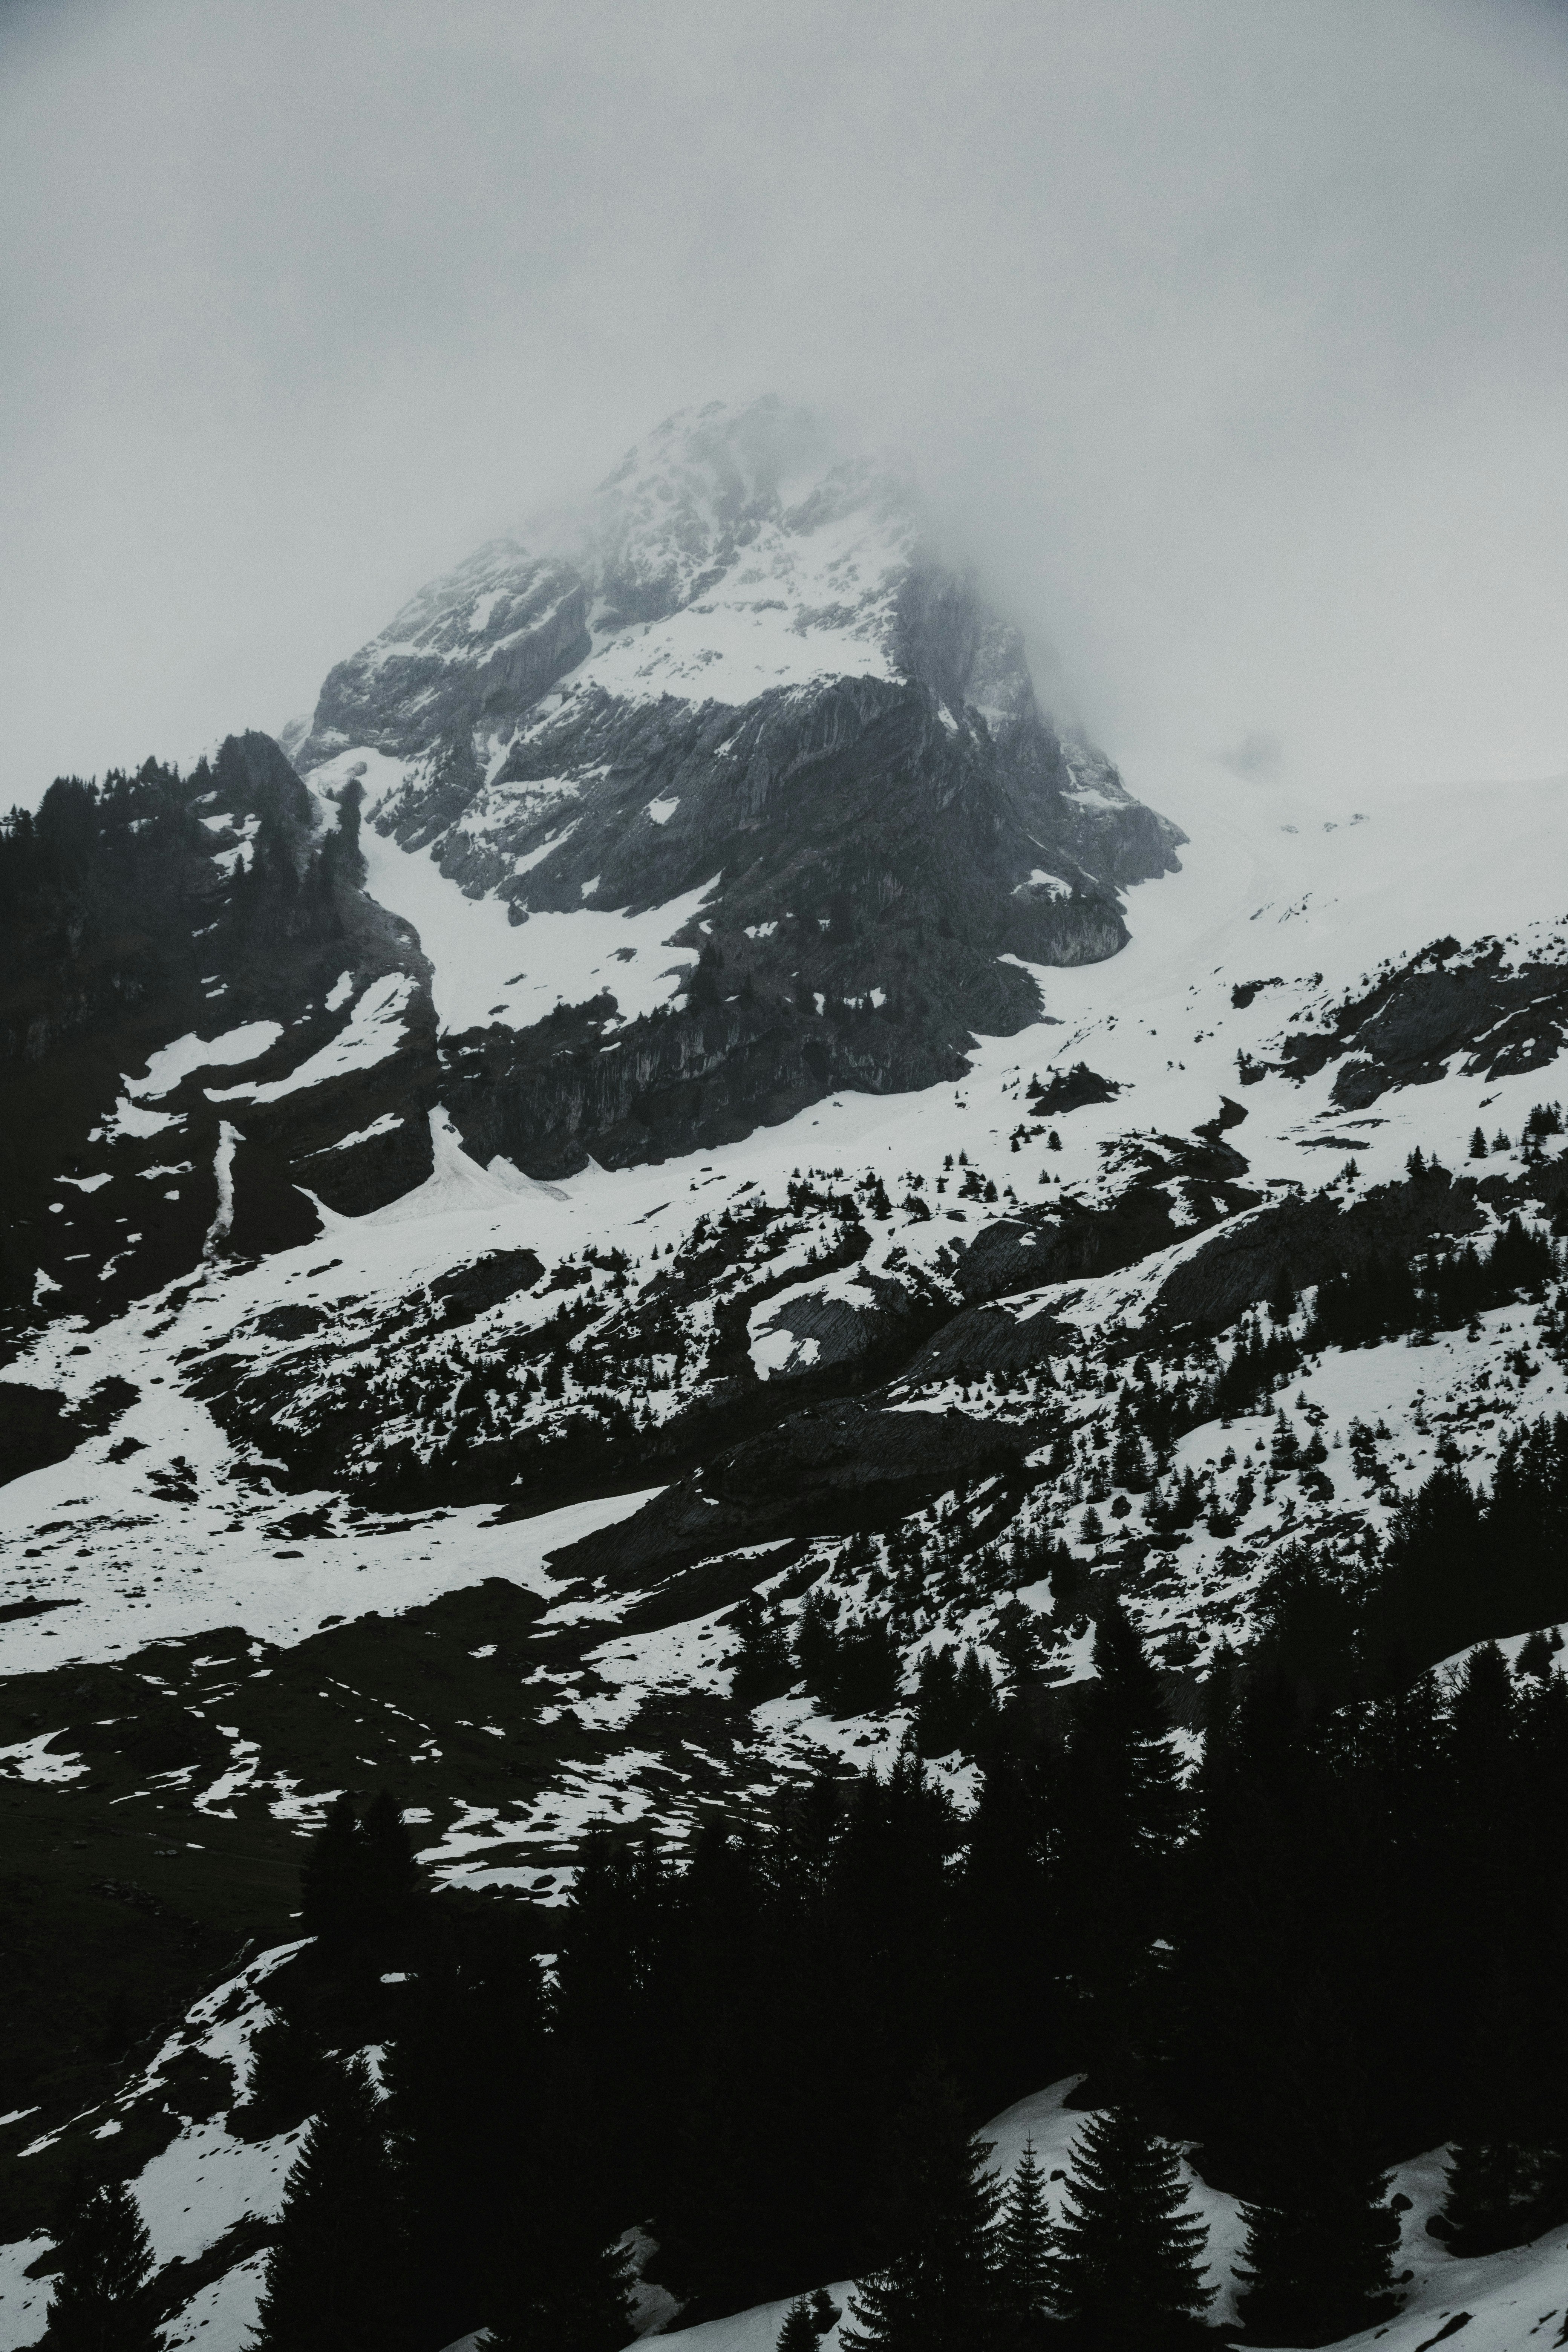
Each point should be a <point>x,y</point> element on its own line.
<point>205,1026</point>
<point>741,679</point>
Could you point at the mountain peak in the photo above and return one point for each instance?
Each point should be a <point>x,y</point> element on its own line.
<point>738,676</point>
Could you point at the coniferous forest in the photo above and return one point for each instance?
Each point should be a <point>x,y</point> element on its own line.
<point>1337,1941</point>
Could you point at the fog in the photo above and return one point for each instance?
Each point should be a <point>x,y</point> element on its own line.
<point>1231,340</point>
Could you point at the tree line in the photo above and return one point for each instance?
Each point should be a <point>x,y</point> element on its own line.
<point>1335,1941</point>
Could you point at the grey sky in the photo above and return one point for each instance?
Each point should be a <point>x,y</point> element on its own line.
<point>1232,334</point>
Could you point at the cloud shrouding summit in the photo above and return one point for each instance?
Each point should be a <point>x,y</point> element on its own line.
<point>1233,340</point>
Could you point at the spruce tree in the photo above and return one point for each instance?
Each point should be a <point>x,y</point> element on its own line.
<point>939,2292</point>
<point>568,2295</point>
<point>389,1873</point>
<point>1317,2263</point>
<point>799,2332</point>
<point>333,2280</point>
<point>1024,2243</point>
<point>765,1666</point>
<point>330,1882</point>
<point>289,2071</point>
<point>1127,2273</point>
<point>101,2301</point>
<point>1120,1812</point>
<point>1503,2155</point>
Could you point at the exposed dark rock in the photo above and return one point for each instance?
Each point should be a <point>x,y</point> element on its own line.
<point>135,920</point>
<point>882,838</point>
<point>289,1322</point>
<point>1071,1089</point>
<point>446,676</point>
<point>34,1429</point>
<point>1500,1017</point>
<point>468,1290</point>
<point>1309,1239</point>
<point>828,1470</point>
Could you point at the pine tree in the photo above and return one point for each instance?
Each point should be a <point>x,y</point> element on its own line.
<point>329,1880</point>
<point>1495,2181</point>
<point>1127,2273</point>
<point>334,2281</point>
<point>390,1873</point>
<point>574,2297</point>
<point>1317,2263</point>
<point>290,2072</point>
<point>1121,1811</point>
<point>1023,2242</point>
<point>100,2302</point>
<point>799,2332</point>
<point>939,2293</point>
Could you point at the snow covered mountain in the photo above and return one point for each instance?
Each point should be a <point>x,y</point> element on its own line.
<point>745,1119</point>
<point>738,709</point>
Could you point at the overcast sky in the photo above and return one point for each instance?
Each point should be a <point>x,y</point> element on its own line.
<point>1232,334</point>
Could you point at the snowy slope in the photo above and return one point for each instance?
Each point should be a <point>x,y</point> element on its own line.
<point>1501,2302</point>
<point>927,1251</point>
<point>1317,906</point>
<point>131,1563</point>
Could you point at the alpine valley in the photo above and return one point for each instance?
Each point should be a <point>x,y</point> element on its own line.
<point>742,1428</point>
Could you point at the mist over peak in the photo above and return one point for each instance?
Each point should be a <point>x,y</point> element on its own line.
<point>1231,342</point>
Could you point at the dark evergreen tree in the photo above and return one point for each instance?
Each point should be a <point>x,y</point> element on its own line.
<point>939,2291</point>
<point>566,2294</point>
<point>334,2276</point>
<point>865,1679</point>
<point>329,1880</point>
<point>1120,1814</point>
<point>472,2085</point>
<point>1506,2158</point>
<point>937,1727</point>
<point>816,1642</point>
<point>101,2301</point>
<point>359,1880</point>
<point>1007,1949</point>
<point>1024,2241</point>
<point>1318,2262</point>
<point>389,1873</point>
<point>799,2332</point>
<point>1127,2276</point>
<point>289,2073</point>
<point>807,2321</point>
<point>764,1668</point>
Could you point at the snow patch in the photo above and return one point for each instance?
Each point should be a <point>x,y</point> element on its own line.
<point>170,1064</point>
<point>372,1034</point>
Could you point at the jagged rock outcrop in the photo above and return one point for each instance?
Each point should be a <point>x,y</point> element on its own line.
<point>826,1470</point>
<point>744,674</point>
<point>203,1020</point>
<point>1476,1006</point>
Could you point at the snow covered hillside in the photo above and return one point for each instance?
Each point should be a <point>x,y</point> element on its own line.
<point>702,1170</point>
